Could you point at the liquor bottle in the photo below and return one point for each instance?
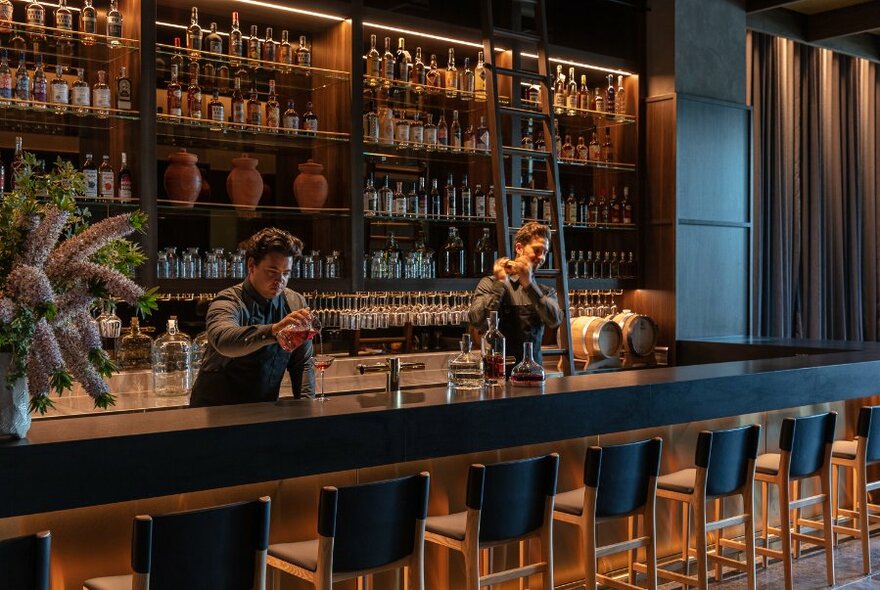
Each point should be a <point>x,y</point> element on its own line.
<point>133,349</point>
<point>371,198</point>
<point>533,93</point>
<point>620,104</point>
<point>435,198</point>
<point>123,90</point>
<point>22,84</point>
<point>484,254</point>
<point>571,208</point>
<point>387,65</point>
<point>467,202</point>
<point>310,119</point>
<point>582,214</point>
<point>573,267</point>
<point>422,199</point>
<point>106,179</point>
<point>101,97</point>
<point>604,210</point>
<point>559,92</point>
<point>80,94</point>
<point>598,103</point>
<point>430,133</point>
<point>18,165</point>
<point>442,134</point>
<point>451,76</point>
<point>36,19</point>
<point>386,126</point>
<point>482,136</point>
<point>273,109</point>
<point>490,201</point>
<point>286,52</point>
<point>216,111</point>
<point>63,19</point>
<point>581,267</point>
<point>581,151</point>
<point>90,173</point>
<point>402,61</point>
<point>592,211</point>
<point>173,95</point>
<point>171,359</point>
<point>270,48</point>
<point>455,142</point>
<point>59,91</point>
<point>610,101</point>
<point>6,16</point>
<point>412,201</point>
<point>480,78</point>
<point>583,100</point>
<point>453,263</point>
<point>223,78</point>
<point>17,42</point>
<point>177,56</point>
<point>290,119</point>
<point>589,267</point>
<point>450,209</point>
<point>386,198</point>
<point>194,93</point>
<point>374,64</point>
<point>626,215</point>
<point>41,85</point>
<point>571,94</point>
<point>567,151</point>
<point>433,77</point>
<point>114,24</point>
<point>465,370</point>
<point>594,149</point>
<point>493,350</point>
<point>539,144</point>
<point>479,202</point>
<point>399,208</point>
<point>88,23</point>
<point>607,147</point>
<point>7,85</point>
<point>528,372</point>
<point>371,124</point>
<point>194,35</point>
<point>417,133</point>
<point>303,53</point>
<point>469,142</point>
<point>616,213</point>
<point>236,45</point>
<point>417,73</point>
<point>124,180</point>
<point>558,139</point>
<point>254,47</point>
<point>466,81</point>
<point>239,110</point>
<point>546,213</point>
<point>254,109</point>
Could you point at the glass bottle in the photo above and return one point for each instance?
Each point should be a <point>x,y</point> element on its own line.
<point>490,201</point>
<point>123,90</point>
<point>194,35</point>
<point>90,173</point>
<point>466,80</point>
<point>417,73</point>
<point>479,202</point>
<point>41,85</point>
<point>422,199</point>
<point>620,104</point>
<point>402,61</point>
<point>467,203</point>
<point>598,103</point>
<point>455,142</point>
<point>485,254</point>
<point>114,24</point>
<point>386,126</point>
<point>430,133</point>
<point>88,23</point>
<point>6,16</point>
<point>17,166</point>
<point>480,78</point>
<point>466,368</point>
<point>571,94</point>
<point>594,148</point>
<point>101,95</point>
<point>493,351</point>
<point>435,200</point>
<point>59,90</point>
<point>273,109</point>
<point>22,84</point>
<point>453,263</point>
<point>607,147</point>
<point>106,179</point>
<point>236,45</point>
<point>174,95</point>
<point>567,152</point>
<point>239,111</point>
<point>616,213</point>
<point>213,42</point>
<point>303,53</point>
<point>442,134</point>
<point>450,209</point>
<point>527,372</point>
<point>583,102</point>
<point>433,77</point>
<point>124,180</point>
<point>469,142</point>
<point>571,208</point>
<point>172,362</point>
<point>626,214</point>
<point>197,353</point>
<point>412,201</point>
<point>254,46</point>
<point>399,201</point>
<point>371,198</point>
<point>286,53</point>
<point>133,350</point>
<point>581,151</point>
<point>387,65</point>
<point>194,94</point>
<point>216,111</point>
<point>374,64</point>
<point>310,119</point>
<point>401,131</point>
<point>36,18</point>
<point>573,268</point>
<point>7,84</point>
<point>386,198</point>
<point>270,49</point>
<point>254,109</point>
<point>63,19</point>
<point>559,92</point>
<point>17,42</point>
<point>290,119</point>
<point>610,95</point>
<point>451,76</point>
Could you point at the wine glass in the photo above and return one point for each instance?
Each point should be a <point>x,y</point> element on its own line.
<point>322,362</point>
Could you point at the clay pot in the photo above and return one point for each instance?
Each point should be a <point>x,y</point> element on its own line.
<point>244,184</point>
<point>310,186</point>
<point>183,180</point>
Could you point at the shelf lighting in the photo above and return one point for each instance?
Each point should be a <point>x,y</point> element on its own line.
<point>290,9</point>
<point>579,64</point>
<point>54,5</point>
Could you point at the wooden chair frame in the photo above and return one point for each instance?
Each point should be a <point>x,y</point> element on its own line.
<point>860,513</point>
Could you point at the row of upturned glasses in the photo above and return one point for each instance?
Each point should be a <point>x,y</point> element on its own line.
<point>593,303</point>
<point>375,310</point>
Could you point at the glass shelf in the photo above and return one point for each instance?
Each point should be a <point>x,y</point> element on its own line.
<point>439,284</point>
<point>167,206</point>
<point>55,35</point>
<point>603,226</point>
<point>406,95</point>
<point>591,164</point>
<point>205,289</point>
<point>23,116</point>
<point>421,152</point>
<point>597,119</point>
<point>188,132</point>
<point>602,284</point>
<point>397,219</point>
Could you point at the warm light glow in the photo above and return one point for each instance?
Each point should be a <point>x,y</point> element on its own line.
<point>578,64</point>
<point>177,26</point>
<point>424,35</point>
<point>53,5</point>
<point>290,9</point>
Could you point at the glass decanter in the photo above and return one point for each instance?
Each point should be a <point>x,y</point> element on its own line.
<point>492,348</point>
<point>110,328</point>
<point>528,372</point>
<point>199,345</point>
<point>171,357</point>
<point>466,368</point>
<point>133,351</point>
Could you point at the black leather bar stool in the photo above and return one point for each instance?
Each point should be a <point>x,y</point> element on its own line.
<point>222,548</point>
<point>857,455</point>
<point>725,466</point>
<point>805,452</point>
<point>24,562</point>
<point>362,530</point>
<point>506,503</point>
<point>619,482</point>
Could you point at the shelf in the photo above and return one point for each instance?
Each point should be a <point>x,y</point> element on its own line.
<point>196,287</point>
<point>598,119</point>
<point>117,44</point>
<point>402,220</point>
<point>421,152</point>
<point>168,206</point>
<point>19,115</point>
<point>189,132</point>
<point>397,93</point>
<point>602,284</point>
<point>596,165</point>
<point>603,226</point>
<point>462,284</point>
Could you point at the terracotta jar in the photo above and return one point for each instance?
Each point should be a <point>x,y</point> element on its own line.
<point>183,180</point>
<point>310,186</point>
<point>244,184</point>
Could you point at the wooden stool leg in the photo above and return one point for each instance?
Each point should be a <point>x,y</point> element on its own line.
<point>700,533</point>
<point>861,492</point>
<point>686,538</point>
<point>719,514</point>
<point>749,509</point>
<point>796,517</point>
<point>765,520</point>
<point>785,530</point>
<point>825,479</point>
<point>835,499</point>
<point>631,554</point>
<point>650,524</point>
<point>523,551</point>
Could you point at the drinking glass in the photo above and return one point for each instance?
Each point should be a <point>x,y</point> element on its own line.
<point>322,362</point>
<point>294,335</point>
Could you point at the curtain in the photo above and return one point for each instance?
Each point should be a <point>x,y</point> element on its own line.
<point>816,182</point>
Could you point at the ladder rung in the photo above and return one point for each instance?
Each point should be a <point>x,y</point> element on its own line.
<point>532,192</point>
<point>525,153</point>
<point>523,112</point>
<point>547,273</point>
<point>521,74</point>
<point>517,35</point>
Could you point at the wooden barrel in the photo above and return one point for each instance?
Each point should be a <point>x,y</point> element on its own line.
<point>593,337</point>
<point>639,332</point>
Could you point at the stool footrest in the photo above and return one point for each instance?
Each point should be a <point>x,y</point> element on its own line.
<point>622,546</point>
<point>809,501</point>
<point>726,522</point>
<point>614,583</point>
<point>513,574</point>
<point>728,561</point>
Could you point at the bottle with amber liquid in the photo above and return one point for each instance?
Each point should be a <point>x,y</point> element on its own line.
<point>273,109</point>
<point>254,110</point>
<point>493,349</point>
<point>174,95</point>
<point>194,93</point>
<point>485,254</point>
<point>134,348</point>
<point>453,262</point>
<point>239,112</point>
<point>124,181</point>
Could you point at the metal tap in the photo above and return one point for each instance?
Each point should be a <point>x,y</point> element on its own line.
<point>392,367</point>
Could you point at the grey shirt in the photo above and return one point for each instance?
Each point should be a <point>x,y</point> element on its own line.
<point>523,312</point>
<point>243,361</point>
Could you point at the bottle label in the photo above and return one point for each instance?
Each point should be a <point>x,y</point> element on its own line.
<point>273,116</point>
<point>235,47</point>
<point>125,187</point>
<point>627,214</point>
<point>175,99</point>
<point>217,113</point>
<point>304,58</point>
<point>480,208</point>
<point>6,85</point>
<point>23,88</point>
<point>456,140</point>
<point>89,24</point>
<point>63,21</point>
<point>215,45</point>
<point>431,136</point>
<point>255,117</point>
<point>91,177</point>
<point>483,141</point>
<point>36,15</point>
<point>114,25</point>
<point>6,18</point>
<point>101,97</point>
<point>81,96</point>
<point>399,206</point>
<point>373,66</point>
<point>311,124</point>
<point>388,68</point>
<point>442,136</point>
<point>194,104</point>
<point>123,94</point>
<point>490,205</point>
<point>60,93</point>
<point>40,90</point>
<point>371,128</point>
<point>291,122</point>
<point>107,181</point>
<point>238,112</point>
<point>571,101</point>
<point>470,143</point>
<point>452,79</point>
<point>417,134</point>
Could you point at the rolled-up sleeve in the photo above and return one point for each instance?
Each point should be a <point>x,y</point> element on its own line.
<point>227,334</point>
<point>487,297</point>
<point>546,304</point>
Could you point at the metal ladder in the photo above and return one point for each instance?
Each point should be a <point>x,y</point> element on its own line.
<point>517,112</point>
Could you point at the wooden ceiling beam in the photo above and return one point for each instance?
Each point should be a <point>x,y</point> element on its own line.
<point>753,6</point>
<point>843,22</point>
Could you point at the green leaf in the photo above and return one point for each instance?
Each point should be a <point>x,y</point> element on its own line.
<point>101,361</point>
<point>105,400</point>
<point>40,404</point>
<point>148,302</point>
<point>61,381</point>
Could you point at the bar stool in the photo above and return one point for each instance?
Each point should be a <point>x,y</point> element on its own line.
<point>725,466</point>
<point>805,445</point>
<point>362,530</point>
<point>857,455</point>
<point>24,562</point>
<point>222,548</point>
<point>619,482</point>
<point>506,502</point>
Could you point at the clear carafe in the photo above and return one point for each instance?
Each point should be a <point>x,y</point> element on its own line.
<point>133,350</point>
<point>528,372</point>
<point>492,348</point>
<point>172,362</point>
<point>466,368</point>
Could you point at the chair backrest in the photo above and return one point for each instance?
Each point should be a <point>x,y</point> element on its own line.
<point>725,454</point>
<point>373,524</point>
<point>211,548</point>
<point>24,562</point>
<point>807,438</point>
<point>621,475</point>
<point>511,496</point>
<point>869,429</point>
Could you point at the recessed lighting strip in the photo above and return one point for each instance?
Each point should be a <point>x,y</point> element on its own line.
<point>291,9</point>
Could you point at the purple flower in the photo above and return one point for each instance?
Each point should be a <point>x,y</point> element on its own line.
<point>43,237</point>
<point>29,285</point>
<point>82,246</point>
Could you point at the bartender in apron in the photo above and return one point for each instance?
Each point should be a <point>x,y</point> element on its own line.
<point>243,362</point>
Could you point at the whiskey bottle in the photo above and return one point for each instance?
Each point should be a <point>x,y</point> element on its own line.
<point>626,214</point>
<point>59,90</point>
<point>559,92</point>
<point>239,110</point>
<point>467,202</point>
<point>430,133</point>
<point>402,61</point>
<point>594,149</point>
<point>401,131</point>
<point>194,35</point>
<point>80,94</point>
<point>374,64</point>
<point>616,214</point>
<point>399,201</point>
<point>254,47</point>
<point>567,152</point>
<point>273,109</point>
<point>36,20</point>
<point>177,56</point>
<point>422,199</point>
<point>484,254</point>
<point>453,262</point>
<point>124,180</point>
<point>490,201</point>
<point>386,198</point>
<point>435,200</point>
<point>123,90</point>
<point>442,134</point>
<point>236,46</point>
<point>387,65</point>
<point>417,133</point>
<point>546,212</point>
<point>480,78</point>
<point>41,85</point>
<point>604,209</point>
<point>173,95</point>
<point>88,23</point>
<point>7,85</point>
<point>598,103</point>
<point>371,124</point>
<point>620,105</point>
<point>433,77</point>
<point>114,24</point>
<point>194,93</point>
<point>589,268</point>
<point>451,76</point>
<point>270,49</point>
<point>310,120</point>
<point>212,42</point>
<point>254,109</point>
<point>371,198</point>
<point>479,202</point>
<point>64,20</point>
<point>386,126</point>
<point>216,111</point>
<point>286,53</point>
<point>22,84</point>
<point>467,80</point>
<point>134,348</point>
<point>106,179</point>
<point>573,267</point>
<point>6,16</point>
<point>582,152</point>
<point>482,144</point>
<point>592,211</point>
<point>571,94</point>
<point>90,174</point>
<point>583,101</point>
<point>451,209</point>
<point>412,201</point>
<point>470,139</point>
<point>607,147</point>
<point>455,133</point>
<point>303,54</point>
<point>290,119</point>
<point>571,208</point>
<point>610,93</point>
<point>417,73</point>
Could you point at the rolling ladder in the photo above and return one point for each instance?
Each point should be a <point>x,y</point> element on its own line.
<point>515,110</point>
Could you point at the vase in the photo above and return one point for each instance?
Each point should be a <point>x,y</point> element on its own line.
<point>183,180</point>
<point>15,419</point>
<point>244,183</point>
<point>310,186</point>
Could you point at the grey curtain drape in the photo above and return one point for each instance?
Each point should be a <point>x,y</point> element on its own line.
<point>816,183</point>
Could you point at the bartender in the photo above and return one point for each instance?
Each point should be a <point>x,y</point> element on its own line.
<point>524,306</point>
<point>243,361</point>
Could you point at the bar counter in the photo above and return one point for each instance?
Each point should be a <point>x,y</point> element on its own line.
<point>82,461</point>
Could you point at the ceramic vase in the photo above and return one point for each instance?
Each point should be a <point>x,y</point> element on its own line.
<point>183,180</point>
<point>244,183</point>
<point>310,186</point>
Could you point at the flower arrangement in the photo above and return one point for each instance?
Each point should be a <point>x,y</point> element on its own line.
<point>55,267</point>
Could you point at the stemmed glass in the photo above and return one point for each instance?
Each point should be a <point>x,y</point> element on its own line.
<point>322,362</point>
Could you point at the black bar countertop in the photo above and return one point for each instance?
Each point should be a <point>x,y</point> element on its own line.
<point>85,461</point>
